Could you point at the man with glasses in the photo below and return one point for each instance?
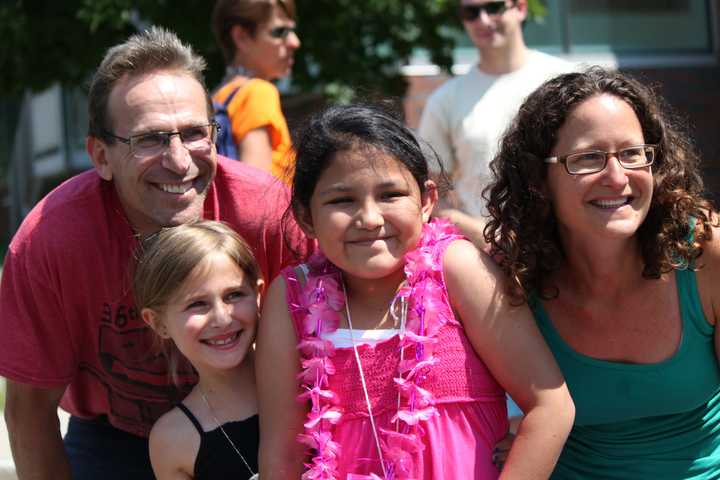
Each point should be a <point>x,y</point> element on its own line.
<point>464,119</point>
<point>71,334</point>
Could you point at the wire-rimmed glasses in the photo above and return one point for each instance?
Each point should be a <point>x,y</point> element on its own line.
<point>593,161</point>
<point>195,138</point>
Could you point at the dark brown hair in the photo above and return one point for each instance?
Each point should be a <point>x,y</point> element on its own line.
<point>522,231</point>
<point>246,13</point>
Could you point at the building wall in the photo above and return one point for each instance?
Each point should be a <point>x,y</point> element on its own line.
<point>694,93</point>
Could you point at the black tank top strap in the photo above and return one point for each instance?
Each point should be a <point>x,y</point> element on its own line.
<point>191,417</point>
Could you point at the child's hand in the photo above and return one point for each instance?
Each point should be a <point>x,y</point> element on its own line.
<point>500,452</point>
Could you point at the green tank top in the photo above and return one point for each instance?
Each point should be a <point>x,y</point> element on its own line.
<point>644,421</point>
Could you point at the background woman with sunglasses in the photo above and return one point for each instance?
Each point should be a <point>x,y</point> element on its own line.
<point>597,216</point>
<point>258,41</point>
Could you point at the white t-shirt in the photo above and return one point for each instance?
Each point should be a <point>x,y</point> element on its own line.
<point>465,118</point>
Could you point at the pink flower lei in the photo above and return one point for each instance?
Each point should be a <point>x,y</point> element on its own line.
<point>321,302</point>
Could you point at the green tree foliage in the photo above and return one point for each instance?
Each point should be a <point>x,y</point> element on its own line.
<point>361,44</point>
<point>347,44</point>
<point>46,41</point>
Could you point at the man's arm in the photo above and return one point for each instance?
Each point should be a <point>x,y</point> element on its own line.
<point>34,431</point>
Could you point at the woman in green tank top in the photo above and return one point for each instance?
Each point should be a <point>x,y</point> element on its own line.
<point>598,219</point>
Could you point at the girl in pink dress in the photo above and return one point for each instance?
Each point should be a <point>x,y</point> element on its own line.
<point>387,355</point>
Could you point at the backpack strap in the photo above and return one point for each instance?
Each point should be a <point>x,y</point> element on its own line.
<point>231,96</point>
<point>225,143</point>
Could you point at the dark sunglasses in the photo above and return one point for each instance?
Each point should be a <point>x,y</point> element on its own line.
<point>471,12</point>
<point>282,31</point>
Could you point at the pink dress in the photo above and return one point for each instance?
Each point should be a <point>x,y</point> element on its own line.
<point>472,415</point>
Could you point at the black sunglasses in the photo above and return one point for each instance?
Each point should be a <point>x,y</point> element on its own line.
<point>282,31</point>
<point>470,12</point>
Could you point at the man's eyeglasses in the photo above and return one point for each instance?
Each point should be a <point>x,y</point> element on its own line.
<point>593,161</point>
<point>196,138</point>
<point>282,31</point>
<point>469,13</point>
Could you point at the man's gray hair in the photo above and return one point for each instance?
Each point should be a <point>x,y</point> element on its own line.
<point>155,49</point>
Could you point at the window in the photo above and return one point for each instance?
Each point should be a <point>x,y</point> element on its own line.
<point>622,28</point>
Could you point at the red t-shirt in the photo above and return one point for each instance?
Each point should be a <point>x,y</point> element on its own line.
<point>67,315</point>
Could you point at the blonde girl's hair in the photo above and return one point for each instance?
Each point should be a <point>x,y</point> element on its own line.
<point>165,260</point>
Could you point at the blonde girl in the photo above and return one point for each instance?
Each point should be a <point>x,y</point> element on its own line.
<point>198,286</point>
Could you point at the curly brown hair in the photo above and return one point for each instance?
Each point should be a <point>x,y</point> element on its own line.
<point>522,230</point>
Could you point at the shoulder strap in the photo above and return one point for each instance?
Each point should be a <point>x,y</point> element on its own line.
<point>692,223</point>
<point>295,279</point>
<point>191,417</point>
<point>301,272</point>
<point>231,96</point>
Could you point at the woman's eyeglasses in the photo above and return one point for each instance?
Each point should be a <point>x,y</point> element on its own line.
<point>469,13</point>
<point>593,161</point>
<point>282,31</point>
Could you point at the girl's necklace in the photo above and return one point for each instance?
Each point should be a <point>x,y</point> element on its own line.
<point>362,380</point>
<point>403,317</point>
<point>254,476</point>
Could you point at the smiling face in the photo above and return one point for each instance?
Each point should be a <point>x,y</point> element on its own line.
<point>496,31</point>
<point>366,214</point>
<point>213,318</point>
<point>164,189</point>
<point>265,54</point>
<point>612,203</point>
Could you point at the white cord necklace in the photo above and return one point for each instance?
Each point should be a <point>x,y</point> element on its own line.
<point>403,316</point>
<point>403,321</point>
<point>254,476</point>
